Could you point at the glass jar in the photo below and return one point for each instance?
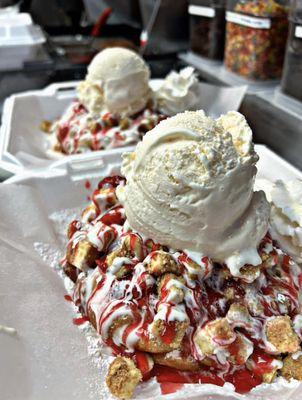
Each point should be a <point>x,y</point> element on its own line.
<point>256,33</point>
<point>207,27</point>
<point>292,71</point>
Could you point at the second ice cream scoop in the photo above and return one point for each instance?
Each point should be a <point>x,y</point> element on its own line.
<point>117,81</point>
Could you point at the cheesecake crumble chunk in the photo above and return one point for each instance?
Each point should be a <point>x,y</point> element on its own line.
<point>123,377</point>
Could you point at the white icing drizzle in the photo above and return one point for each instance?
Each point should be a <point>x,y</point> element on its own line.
<point>297,323</point>
<point>169,313</point>
<point>98,235</point>
<point>297,355</point>
<point>118,263</point>
<point>236,261</point>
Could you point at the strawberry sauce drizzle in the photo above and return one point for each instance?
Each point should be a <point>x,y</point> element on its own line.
<point>80,320</point>
<point>169,332</point>
<point>77,131</point>
<point>134,297</point>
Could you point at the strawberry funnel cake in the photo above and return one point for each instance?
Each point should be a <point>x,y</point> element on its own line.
<point>173,265</point>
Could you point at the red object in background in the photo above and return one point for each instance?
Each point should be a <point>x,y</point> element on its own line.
<point>96,30</point>
<point>144,38</point>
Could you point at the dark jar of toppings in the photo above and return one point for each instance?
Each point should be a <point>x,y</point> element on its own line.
<point>207,28</point>
<point>256,33</point>
<point>292,71</point>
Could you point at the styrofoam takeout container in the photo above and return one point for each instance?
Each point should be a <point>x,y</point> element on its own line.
<point>23,145</point>
<point>10,10</point>
<point>46,356</point>
<point>20,40</point>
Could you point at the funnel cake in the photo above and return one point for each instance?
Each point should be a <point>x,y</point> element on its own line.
<point>181,318</point>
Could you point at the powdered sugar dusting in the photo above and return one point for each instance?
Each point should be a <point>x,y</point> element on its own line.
<point>61,219</point>
<point>49,255</point>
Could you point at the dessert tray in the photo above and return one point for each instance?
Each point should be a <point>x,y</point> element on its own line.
<point>24,145</point>
<point>43,350</point>
<point>20,40</point>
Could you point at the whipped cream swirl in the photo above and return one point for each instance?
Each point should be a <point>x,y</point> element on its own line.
<point>178,92</point>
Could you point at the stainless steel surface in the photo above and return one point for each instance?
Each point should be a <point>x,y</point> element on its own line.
<point>215,72</point>
<point>279,130</point>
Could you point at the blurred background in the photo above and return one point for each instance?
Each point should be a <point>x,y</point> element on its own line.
<point>73,31</point>
<point>257,43</point>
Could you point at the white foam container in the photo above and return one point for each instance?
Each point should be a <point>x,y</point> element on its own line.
<point>23,145</point>
<point>20,40</point>
<point>61,189</point>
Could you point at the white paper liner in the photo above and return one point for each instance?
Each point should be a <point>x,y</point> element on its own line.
<point>46,358</point>
<point>33,222</point>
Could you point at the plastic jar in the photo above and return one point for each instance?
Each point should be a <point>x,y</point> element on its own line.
<point>256,33</point>
<point>292,73</point>
<point>207,27</point>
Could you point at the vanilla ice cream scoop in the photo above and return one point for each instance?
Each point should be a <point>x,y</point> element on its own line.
<point>190,186</point>
<point>117,81</point>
